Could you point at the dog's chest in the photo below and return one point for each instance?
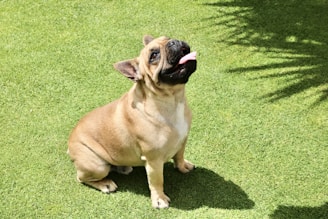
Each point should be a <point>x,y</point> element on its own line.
<point>177,128</point>
<point>181,124</point>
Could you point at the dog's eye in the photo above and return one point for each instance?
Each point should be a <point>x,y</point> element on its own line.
<point>154,56</point>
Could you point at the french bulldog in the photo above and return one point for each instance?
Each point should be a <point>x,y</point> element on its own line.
<point>147,126</point>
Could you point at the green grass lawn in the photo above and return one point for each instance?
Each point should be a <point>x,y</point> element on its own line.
<point>259,98</point>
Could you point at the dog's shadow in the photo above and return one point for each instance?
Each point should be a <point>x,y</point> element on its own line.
<point>201,187</point>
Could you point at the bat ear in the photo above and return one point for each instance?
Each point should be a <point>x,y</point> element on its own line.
<point>147,39</point>
<point>129,68</point>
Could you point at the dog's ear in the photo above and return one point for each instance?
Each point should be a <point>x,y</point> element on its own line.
<point>147,39</point>
<point>129,69</point>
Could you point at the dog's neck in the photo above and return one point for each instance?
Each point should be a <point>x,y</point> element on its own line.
<point>168,101</point>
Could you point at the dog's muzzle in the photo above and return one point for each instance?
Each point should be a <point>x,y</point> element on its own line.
<point>177,73</point>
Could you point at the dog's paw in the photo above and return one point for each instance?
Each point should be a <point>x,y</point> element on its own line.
<point>185,167</point>
<point>107,186</point>
<point>122,169</point>
<point>160,201</point>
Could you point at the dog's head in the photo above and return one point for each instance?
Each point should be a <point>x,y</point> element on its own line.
<point>162,62</point>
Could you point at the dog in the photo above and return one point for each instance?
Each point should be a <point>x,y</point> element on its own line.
<point>147,126</point>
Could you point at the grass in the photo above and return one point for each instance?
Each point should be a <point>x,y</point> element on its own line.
<point>259,101</point>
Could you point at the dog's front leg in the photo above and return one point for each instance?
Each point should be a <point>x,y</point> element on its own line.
<point>154,171</point>
<point>183,165</point>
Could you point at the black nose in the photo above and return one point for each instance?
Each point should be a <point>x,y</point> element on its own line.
<point>185,50</point>
<point>178,45</point>
<point>174,44</point>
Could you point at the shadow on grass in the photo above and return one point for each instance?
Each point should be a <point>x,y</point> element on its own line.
<point>198,188</point>
<point>289,212</point>
<point>295,31</point>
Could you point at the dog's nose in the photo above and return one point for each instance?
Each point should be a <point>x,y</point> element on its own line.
<point>172,43</point>
<point>179,46</point>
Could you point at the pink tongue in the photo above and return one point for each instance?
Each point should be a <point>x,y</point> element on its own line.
<point>186,58</point>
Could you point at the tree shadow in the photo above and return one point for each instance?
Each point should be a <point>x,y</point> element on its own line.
<point>290,212</point>
<point>295,31</point>
<point>196,189</point>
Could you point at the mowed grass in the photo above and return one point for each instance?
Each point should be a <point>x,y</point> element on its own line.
<point>259,135</point>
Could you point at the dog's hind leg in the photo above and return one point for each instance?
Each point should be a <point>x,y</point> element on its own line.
<point>96,179</point>
<point>92,170</point>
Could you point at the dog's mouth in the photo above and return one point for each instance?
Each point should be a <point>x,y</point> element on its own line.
<point>188,57</point>
<point>180,72</point>
<point>185,63</point>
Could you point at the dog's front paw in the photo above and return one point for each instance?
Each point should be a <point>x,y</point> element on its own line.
<point>185,166</point>
<point>160,201</point>
<point>125,170</point>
